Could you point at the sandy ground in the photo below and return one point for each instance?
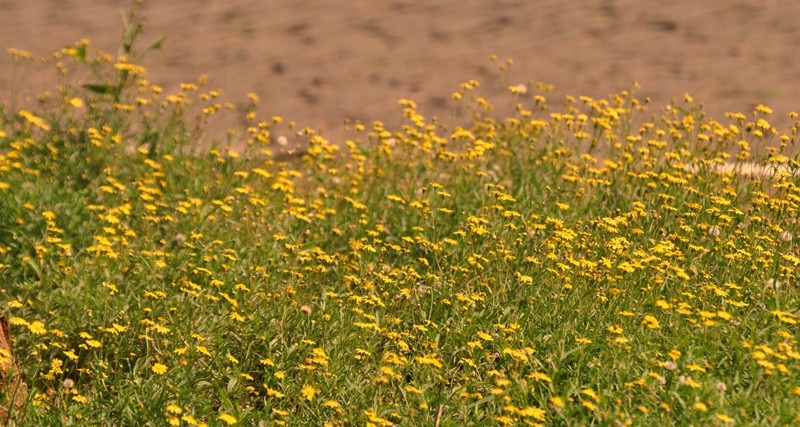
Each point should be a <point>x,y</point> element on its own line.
<point>321,61</point>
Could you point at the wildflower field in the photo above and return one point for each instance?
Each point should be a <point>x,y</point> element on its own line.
<point>581,262</point>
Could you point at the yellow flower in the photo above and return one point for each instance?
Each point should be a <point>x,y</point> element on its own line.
<point>532,412</point>
<point>484,336</point>
<point>591,393</point>
<point>428,360</point>
<point>309,392</point>
<point>174,409</point>
<point>412,389</point>
<point>279,412</point>
<point>20,54</point>
<point>724,418</point>
<point>541,376</point>
<point>159,369</point>
<point>651,322</point>
<point>505,420</point>
<point>330,404</point>
<point>227,418</point>
<point>700,406</point>
<point>695,367</point>
<point>689,382</point>
<point>557,401</point>
<point>31,118</point>
<point>36,327</point>
<point>273,392</point>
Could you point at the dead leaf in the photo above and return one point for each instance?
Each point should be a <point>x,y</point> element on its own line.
<point>13,390</point>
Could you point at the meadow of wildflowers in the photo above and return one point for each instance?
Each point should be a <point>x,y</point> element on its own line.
<point>582,262</point>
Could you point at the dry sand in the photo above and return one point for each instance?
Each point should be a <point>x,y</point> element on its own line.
<point>321,61</point>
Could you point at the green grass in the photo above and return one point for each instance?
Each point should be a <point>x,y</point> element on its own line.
<point>577,264</point>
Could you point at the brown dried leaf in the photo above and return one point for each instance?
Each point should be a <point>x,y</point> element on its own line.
<point>13,390</point>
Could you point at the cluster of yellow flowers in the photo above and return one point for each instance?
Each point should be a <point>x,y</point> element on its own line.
<point>569,264</point>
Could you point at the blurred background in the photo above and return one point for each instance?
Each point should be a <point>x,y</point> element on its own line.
<point>321,61</point>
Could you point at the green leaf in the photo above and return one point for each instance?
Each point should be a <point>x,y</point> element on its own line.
<point>100,87</point>
<point>81,53</point>
<point>157,45</point>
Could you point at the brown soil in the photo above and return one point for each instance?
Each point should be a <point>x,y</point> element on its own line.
<point>320,61</point>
